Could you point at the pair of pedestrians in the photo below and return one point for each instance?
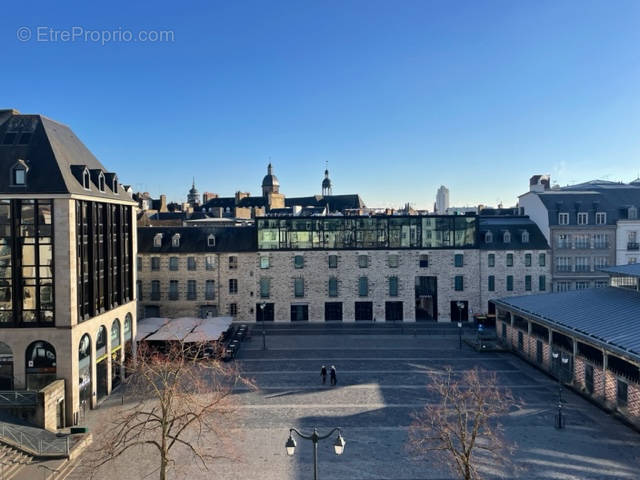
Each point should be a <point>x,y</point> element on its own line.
<point>332,375</point>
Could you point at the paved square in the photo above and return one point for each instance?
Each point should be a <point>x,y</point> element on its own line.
<point>381,380</point>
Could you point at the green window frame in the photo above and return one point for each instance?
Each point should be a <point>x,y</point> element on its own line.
<point>393,286</point>
<point>333,286</point>
<point>509,283</point>
<point>492,283</point>
<point>458,260</point>
<point>363,286</point>
<point>459,283</point>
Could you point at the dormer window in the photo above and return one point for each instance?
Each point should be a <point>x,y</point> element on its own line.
<point>114,187</point>
<point>19,174</point>
<point>506,237</point>
<point>101,182</point>
<point>175,240</point>
<point>525,237</point>
<point>632,213</point>
<point>86,181</point>
<point>211,240</point>
<point>157,240</point>
<point>488,237</point>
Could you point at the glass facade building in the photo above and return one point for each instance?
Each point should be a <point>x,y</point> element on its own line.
<point>391,232</point>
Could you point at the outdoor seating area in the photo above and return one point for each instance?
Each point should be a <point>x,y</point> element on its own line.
<point>208,336</point>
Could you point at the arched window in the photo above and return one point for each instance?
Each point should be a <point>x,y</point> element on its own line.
<point>101,342</point>
<point>488,237</point>
<point>86,181</point>
<point>101,182</point>
<point>157,240</point>
<point>128,320</point>
<point>115,334</point>
<point>211,240</point>
<point>19,174</point>
<point>6,367</point>
<point>525,237</point>
<point>40,365</point>
<point>632,213</point>
<point>84,368</point>
<point>506,238</point>
<point>175,240</point>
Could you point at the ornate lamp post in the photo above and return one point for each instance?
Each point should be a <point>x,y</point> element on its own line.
<point>460,306</point>
<point>560,366</point>
<point>338,445</point>
<point>264,332</point>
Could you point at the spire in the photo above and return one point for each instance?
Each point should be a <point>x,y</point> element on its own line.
<point>193,184</point>
<point>269,169</point>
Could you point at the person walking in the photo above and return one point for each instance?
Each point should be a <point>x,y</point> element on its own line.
<point>332,374</point>
<point>323,374</point>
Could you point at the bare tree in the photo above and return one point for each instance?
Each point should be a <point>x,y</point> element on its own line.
<point>462,421</point>
<point>175,399</point>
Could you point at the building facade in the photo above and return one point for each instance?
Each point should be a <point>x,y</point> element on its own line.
<point>68,249</point>
<point>387,268</point>
<point>583,224</point>
<point>564,334</point>
<point>442,200</point>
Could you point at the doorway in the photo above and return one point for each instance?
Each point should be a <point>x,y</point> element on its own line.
<point>426,296</point>
<point>393,312</point>
<point>266,314</point>
<point>459,311</point>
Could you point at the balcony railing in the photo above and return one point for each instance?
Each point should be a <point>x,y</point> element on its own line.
<point>583,268</point>
<point>601,245</point>
<point>633,246</point>
<point>563,268</point>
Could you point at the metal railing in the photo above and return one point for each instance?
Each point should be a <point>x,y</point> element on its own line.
<point>633,246</point>
<point>33,444</point>
<point>17,398</point>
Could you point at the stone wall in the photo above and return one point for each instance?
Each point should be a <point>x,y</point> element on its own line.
<point>605,382</point>
<point>48,400</point>
<point>281,273</point>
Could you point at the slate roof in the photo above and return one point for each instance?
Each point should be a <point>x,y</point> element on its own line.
<point>336,203</point>
<point>607,316</point>
<point>194,239</point>
<point>230,202</point>
<point>594,196</point>
<point>55,156</point>
<point>515,225</point>
<point>631,270</point>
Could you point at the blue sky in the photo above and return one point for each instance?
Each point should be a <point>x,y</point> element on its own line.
<point>398,97</point>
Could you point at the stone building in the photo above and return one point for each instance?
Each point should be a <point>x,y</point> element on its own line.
<point>581,224</point>
<point>67,247</point>
<point>388,268</point>
<point>589,339</point>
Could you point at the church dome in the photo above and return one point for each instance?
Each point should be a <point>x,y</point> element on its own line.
<point>270,180</point>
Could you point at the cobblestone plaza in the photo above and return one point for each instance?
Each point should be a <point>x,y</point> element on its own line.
<point>381,380</point>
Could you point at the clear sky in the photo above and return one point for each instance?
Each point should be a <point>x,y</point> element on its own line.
<point>398,97</point>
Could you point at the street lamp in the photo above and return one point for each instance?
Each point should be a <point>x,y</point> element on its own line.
<point>563,361</point>
<point>264,332</point>
<point>460,306</point>
<point>338,445</point>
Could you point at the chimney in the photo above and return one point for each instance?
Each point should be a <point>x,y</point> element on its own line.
<point>163,204</point>
<point>539,183</point>
<point>7,113</point>
<point>240,196</point>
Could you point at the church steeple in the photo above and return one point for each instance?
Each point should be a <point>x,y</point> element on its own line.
<point>326,184</point>
<point>193,198</point>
